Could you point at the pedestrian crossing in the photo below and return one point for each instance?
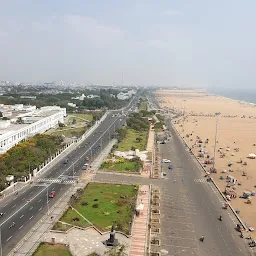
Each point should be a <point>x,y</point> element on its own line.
<point>49,180</point>
<point>200,180</point>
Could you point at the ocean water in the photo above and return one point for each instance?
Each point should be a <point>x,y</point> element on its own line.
<point>248,95</point>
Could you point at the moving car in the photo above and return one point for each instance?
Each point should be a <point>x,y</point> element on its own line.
<point>52,194</point>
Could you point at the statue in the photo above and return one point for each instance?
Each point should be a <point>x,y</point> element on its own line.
<point>112,241</point>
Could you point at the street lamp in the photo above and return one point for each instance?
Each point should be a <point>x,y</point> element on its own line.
<point>1,249</point>
<point>215,141</point>
<point>47,198</point>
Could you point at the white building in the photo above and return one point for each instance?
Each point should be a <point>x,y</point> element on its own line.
<point>34,122</point>
<point>73,105</point>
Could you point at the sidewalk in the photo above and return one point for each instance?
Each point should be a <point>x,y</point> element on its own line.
<point>139,239</point>
<point>147,166</point>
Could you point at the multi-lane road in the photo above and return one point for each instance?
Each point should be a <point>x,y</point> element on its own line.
<point>26,208</point>
<point>191,208</point>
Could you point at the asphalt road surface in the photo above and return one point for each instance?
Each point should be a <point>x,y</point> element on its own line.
<point>191,207</point>
<point>26,208</point>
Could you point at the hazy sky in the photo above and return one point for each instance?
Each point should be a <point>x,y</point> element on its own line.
<point>183,43</point>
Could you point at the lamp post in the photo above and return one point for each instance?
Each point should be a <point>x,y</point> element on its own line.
<point>1,249</point>
<point>47,198</point>
<point>215,140</point>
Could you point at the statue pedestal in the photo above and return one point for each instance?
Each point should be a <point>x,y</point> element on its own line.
<point>112,241</point>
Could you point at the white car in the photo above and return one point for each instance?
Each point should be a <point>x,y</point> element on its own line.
<point>166,161</point>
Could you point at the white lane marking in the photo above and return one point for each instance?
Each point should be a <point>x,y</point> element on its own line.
<point>31,208</point>
<point>21,216</point>
<point>13,205</point>
<point>31,217</point>
<point>48,201</point>
<point>21,227</point>
<point>61,188</point>
<point>8,239</point>
<point>40,208</point>
<point>39,200</point>
<point>53,188</point>
<point>5,205</point>
<point>58,176</point>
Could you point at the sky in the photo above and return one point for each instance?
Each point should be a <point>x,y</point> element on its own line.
<point>185,43</point>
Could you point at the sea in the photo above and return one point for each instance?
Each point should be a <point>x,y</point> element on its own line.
<point>248,95</point>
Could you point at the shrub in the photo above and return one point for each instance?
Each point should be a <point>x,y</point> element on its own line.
<point>95,205</point>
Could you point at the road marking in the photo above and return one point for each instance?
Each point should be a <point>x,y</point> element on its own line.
<point>5,205</point>
<point>31,208</point>
<point>61,188</point>
<point>8,239</point>
<point>21,216</point>
<point>40,208</point>
<point>21,227</point>
<point>57,177</point>
<point>53,188</point>
<point>167,245</point>
<point>39,200</point>
<point>184,238</point>
<point>31,217</point>
<point>14,205</point>
<point>31,192</point>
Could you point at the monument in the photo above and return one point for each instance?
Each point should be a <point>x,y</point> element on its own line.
<point>112,241</point>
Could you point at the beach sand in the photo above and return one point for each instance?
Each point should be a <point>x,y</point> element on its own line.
<point>236,130</point>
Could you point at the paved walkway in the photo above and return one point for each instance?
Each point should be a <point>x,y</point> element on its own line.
<point>140,226</point>
<point>84,242</point>
<point>147,166</point>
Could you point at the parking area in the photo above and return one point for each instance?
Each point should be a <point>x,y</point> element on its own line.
<point>177,213</point>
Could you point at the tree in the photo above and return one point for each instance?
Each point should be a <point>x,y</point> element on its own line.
<point>118,250</point>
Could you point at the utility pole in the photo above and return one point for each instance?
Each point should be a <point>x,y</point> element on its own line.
<point>47,197</point>
<point>215,141</point>
<point>1,249</point>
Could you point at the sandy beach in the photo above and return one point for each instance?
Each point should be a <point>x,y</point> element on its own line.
<point>236,139</point>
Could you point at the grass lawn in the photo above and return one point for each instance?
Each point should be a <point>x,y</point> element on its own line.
<point>143,105</point>
<point>52,250</point>
<point>84,116</point>
<point>102,205</point>
<point>130,140</point>
<point>126,166</point>
<point>69,133</point>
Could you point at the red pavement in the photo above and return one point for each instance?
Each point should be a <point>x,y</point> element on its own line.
<point>140,228</point>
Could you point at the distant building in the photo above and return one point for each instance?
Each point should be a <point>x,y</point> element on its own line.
<point>28,97</point>
<point>72,104</point>
<point>33,121</point>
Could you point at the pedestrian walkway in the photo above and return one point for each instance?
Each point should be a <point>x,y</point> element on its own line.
<point>140,227</point>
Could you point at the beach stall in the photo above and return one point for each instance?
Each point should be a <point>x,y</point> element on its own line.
<point>252,156</point>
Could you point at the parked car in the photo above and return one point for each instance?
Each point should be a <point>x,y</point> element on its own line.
<point>52,194</point>
<point>166,161</point>
<point>85,166</point>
